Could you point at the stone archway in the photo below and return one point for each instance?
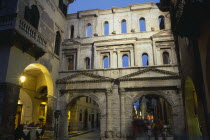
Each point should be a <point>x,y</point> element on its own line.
<point>37,84</point>
<point>175,101</point>
<point>67,100</point>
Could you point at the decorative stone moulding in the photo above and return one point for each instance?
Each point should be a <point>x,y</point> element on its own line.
<point>114,32</point>
<point>132,30</point>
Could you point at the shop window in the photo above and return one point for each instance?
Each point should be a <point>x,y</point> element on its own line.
<point>125,60</point>
<point>142,24</point>
<point>145,61</point>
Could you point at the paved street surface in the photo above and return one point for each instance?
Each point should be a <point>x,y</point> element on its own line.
<point>89,136</point>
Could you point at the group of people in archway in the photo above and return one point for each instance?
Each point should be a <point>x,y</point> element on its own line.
<point>144,128</point>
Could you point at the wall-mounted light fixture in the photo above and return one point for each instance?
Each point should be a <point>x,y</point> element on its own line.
<point>22,78</point>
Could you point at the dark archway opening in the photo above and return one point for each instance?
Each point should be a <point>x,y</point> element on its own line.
<point>152,116</point>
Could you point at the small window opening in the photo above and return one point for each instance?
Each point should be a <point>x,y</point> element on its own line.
<point>145,61</point>
<point>106,61</point>
<point>125,60</point>
<point>142,25</point>
<point>123,26</point>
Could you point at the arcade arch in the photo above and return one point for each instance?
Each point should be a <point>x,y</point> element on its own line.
<point>36,87</point>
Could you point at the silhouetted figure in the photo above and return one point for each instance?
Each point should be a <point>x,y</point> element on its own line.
<point>19,132</point>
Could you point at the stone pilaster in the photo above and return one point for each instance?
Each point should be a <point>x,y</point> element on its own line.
<point>131,58</point>
<point>109,114</point>
<point>122,112</point>
<point>9,94</point>
<point>116,128</point>
<point>50,112</point>
<point>63,125</point>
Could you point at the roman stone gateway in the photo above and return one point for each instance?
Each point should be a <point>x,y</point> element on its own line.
<point>116,56</point>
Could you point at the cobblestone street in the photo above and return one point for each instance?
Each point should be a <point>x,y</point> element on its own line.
<point>89,136</point>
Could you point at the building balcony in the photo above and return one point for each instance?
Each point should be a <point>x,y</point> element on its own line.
<point>16,31</point>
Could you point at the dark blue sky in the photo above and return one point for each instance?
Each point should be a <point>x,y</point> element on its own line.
<point>81,5</point>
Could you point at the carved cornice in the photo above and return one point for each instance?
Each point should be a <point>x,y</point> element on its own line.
<point>151,88</point>
<point>172,75</point>
<point>97,79</point>
<point>150,78</point>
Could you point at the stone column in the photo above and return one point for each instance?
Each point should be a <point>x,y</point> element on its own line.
<point>136,62</point>
<point>63,125</point>
<point>109,132</point>
<point>114,59</point>
<point>122,113</point>
<point>111,61</point>
<point>9,94</point>
<point>131,58</point>
<point>119,62</point>
<point>50,122</point>
<point>116,127</point>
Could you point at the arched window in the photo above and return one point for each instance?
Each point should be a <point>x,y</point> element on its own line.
<point>142,24</point>
<point>32,15</point>
<point>106,28</point>
<point>166,59</point>
<point>72,31</point>
<point>161,21</point>
<point>145,60</point>
<point>89,30</point>
<point>123,26</point>
<point>125,60</point>
<point>87,62</point>
<point>106,61</point>
<point>57,43</point>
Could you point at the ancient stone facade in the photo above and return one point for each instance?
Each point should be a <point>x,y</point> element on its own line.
<point>28,34</point>
<point>113,86</point>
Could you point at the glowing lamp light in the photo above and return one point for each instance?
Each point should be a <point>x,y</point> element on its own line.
<point>22,79</point>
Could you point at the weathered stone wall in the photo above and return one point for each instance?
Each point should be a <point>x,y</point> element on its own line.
<point>116,88</point>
